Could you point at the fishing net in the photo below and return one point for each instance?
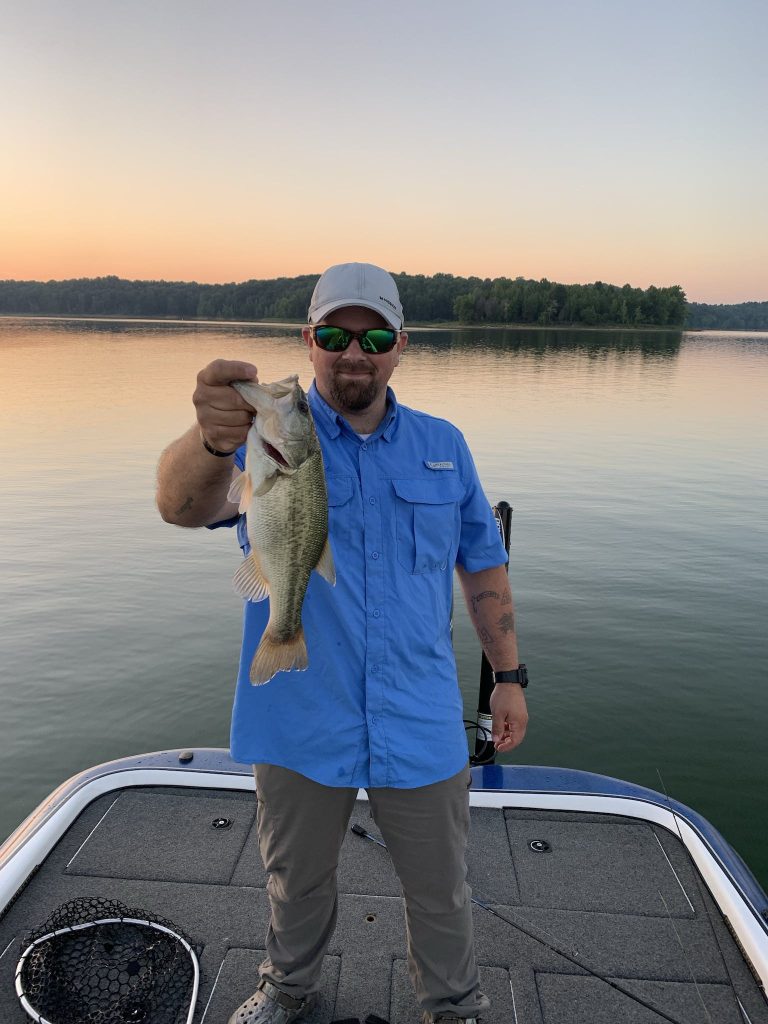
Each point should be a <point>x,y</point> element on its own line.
<point>96,961</point>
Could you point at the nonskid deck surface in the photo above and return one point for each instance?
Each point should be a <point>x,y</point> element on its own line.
<point>614,896</point>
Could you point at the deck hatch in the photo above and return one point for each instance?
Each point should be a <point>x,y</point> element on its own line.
<point>628,870</point>
<point>584,1000</point>
<point>166,837</point>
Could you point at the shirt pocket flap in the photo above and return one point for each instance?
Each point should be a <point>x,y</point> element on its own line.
<point>339,490</point>
<point>430,492</point>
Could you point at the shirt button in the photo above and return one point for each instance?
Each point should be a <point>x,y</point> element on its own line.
<point>375,669</point>
<point>374,555</point>
<point>364,447</point>
<point>376,613</point>
<point>371,501</point>
<point>373,719</point>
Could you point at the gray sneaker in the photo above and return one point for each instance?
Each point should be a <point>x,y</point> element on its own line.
<point>268,1005</point>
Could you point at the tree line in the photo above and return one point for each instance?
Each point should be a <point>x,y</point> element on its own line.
<point>742,316</point>
<point>439,298</point>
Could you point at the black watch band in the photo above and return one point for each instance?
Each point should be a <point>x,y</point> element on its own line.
<point>518,675</point>
<point>214,451</point>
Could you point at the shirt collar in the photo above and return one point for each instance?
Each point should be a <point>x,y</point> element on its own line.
<point>332,421</point>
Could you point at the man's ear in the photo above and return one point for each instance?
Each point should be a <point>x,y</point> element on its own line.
<point>306,333</point>
<point>402,342</point>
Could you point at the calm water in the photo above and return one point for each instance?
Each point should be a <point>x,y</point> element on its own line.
<point>636,467</point>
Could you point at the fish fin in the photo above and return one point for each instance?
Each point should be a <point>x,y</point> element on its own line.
<point>250,581</point>
<point>240,491</point>
<point>325,565</point>
<point>273,656</point>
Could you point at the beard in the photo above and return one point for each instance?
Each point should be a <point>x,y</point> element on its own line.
<point>354,395</point>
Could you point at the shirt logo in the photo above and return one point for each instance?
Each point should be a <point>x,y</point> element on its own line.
<point>438,465</point>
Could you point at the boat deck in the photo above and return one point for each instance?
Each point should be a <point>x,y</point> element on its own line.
<point>618,895</point>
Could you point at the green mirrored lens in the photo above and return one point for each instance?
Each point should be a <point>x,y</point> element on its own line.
<point>378,340</point>
<point>333,339</point>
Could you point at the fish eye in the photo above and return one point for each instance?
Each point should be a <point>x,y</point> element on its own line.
<point>302,406</point>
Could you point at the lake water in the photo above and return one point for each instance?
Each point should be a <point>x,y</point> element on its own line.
<point>636,466</point>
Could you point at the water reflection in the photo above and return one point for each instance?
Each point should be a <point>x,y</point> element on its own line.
<point>647,343</point>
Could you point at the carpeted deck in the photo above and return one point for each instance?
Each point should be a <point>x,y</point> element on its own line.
<point>615,895</point>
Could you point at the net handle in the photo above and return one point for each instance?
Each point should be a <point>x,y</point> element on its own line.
<point>39,1019</point>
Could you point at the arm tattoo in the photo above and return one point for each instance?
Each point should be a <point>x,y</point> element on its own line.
<point>507,623</point>
<point>485,637</point>
<point>185,507</point>
<point>507,599</point>
<point>477,598</point>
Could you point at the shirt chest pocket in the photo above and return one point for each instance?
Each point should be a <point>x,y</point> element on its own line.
<point>339,509</point>
<point>427,522</point>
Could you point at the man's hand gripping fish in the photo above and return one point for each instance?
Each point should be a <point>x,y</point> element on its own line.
<point>282,492</point>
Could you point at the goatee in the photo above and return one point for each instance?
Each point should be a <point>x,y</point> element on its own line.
<point>354,395</point>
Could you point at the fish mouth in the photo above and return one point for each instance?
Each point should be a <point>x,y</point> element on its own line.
<point>274,454</point>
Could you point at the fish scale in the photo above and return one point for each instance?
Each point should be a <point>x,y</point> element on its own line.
<point>290,540</point>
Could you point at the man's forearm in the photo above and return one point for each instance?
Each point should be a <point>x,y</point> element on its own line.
<point>192,484</point>
<point>491,609</point>
<point>489,601</point>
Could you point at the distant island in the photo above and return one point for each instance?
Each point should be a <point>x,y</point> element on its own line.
<point>441,298</point>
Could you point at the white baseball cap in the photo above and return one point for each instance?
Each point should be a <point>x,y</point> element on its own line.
<point>356,284</point>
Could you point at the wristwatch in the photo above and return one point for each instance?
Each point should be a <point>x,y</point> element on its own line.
<point>517,675</point>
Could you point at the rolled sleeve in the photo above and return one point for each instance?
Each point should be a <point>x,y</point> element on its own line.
<point>480,545</point>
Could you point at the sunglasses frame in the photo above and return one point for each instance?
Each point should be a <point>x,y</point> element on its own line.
<point>360,336</point>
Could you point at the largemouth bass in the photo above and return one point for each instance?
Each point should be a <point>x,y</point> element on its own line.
<point>283,493</point>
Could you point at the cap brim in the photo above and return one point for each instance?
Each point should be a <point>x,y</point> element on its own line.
<point>316,315</point>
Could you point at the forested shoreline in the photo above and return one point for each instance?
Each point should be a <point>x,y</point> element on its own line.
<point>441,298</point>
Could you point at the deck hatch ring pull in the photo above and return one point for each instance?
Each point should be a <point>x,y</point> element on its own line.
<point>370,918</point>
<point>540,846</point>
<point>221,823</point>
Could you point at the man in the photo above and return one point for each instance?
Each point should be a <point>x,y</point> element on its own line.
<point>379,706</point>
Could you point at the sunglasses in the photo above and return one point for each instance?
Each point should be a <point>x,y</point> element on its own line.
<point>375,342</point>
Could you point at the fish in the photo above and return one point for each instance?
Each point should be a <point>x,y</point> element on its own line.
<point>283,493</point>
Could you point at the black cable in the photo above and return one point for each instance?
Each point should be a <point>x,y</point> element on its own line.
<point>487,751</point>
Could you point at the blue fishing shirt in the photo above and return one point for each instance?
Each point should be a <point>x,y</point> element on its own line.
<point>379,704</point>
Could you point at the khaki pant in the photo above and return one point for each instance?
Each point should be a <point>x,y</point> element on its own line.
<point>301,827</point>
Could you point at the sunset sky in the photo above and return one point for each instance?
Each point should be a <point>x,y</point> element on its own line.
<point>189,140</point>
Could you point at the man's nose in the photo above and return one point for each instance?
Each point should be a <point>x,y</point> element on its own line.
<point>354,348</point>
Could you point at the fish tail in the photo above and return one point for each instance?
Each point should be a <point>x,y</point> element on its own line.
<point>273,656</point>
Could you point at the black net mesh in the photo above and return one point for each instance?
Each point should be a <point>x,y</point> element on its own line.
<point>117,973</point>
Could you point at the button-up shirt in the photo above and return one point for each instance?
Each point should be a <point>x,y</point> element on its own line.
<point>379,704</point>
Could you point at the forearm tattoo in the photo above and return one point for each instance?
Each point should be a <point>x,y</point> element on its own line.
<point>507,622</point>
<point>477,598</point>
<point>185,507</point>
<point>493,629</point>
